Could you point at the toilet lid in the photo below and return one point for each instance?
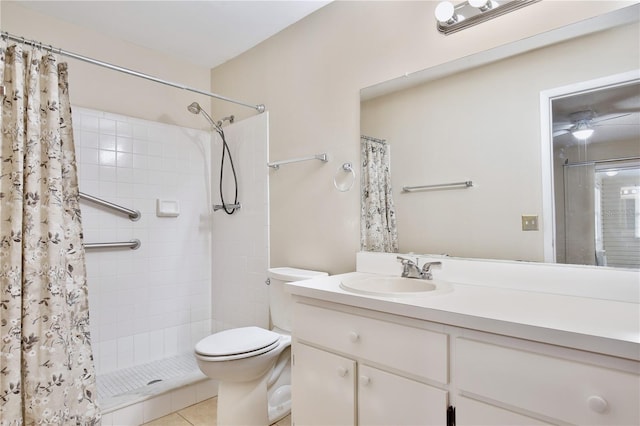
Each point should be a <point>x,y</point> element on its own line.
<point>236,341</point>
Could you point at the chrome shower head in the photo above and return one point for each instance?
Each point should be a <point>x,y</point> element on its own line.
<point>194,108</point>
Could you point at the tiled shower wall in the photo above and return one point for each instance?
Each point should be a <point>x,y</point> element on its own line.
<point>241,241</point>
<point>153,302</point>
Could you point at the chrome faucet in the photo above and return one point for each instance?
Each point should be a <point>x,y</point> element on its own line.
<point>410,269</point>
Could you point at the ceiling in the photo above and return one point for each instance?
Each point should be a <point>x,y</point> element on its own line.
<point>616,112</point>
<point>206,33</point>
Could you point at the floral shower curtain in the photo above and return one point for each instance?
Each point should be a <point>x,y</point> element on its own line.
<point>378,230</point>
<point>46,364</point>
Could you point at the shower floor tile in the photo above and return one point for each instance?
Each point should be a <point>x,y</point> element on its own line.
<point>143,380</point>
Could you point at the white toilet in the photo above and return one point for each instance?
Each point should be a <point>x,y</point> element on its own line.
<point>253,365</point>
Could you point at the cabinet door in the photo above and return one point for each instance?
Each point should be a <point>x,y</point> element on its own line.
<point>323,388</point>
<point>386,399</point>
<point>474,413</point>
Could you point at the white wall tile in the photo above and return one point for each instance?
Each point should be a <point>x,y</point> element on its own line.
<point>107,142</point>
<point>107,126</point>
<point>125,352</point>
<point>133,162</point>
<point>108,355</point>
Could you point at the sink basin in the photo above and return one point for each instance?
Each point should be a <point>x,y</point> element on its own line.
<point>390,286</point>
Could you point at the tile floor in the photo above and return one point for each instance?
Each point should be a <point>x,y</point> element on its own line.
<point>201,414</point>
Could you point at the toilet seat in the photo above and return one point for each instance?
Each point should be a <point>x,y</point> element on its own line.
<point>237,343</point>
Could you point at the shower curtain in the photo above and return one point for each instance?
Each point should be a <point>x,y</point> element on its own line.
<point>46,364</point>
<point>579,214</point>
<point>378,230</point>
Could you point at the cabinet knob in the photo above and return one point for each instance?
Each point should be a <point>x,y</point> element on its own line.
<point>364,380</point>
<point>342,372</point>
<point>597,404</point>
<point>354,337</point>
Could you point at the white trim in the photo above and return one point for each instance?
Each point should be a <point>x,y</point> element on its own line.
<point>546,139</point>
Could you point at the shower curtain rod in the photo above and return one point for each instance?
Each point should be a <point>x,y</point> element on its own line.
<point>369,138</point>
<point>607,160</point>
<point>260,108</point>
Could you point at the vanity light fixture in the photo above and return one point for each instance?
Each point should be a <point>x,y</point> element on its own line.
<point>582,131</point>
<point>472,12</point>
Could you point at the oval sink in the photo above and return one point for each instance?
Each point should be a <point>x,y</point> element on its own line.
<point>389,286</point>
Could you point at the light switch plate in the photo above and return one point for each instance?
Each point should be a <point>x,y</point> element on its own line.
<point>529,222</point>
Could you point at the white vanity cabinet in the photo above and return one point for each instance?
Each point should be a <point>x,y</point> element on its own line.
<point>350,369</point>
<point>355,366</point>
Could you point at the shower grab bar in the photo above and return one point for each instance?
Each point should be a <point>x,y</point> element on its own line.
<point>276,164</point>
<point>133,245</point>
<point>134,215</point>
<point>217,207</point>
<point>454,185</point>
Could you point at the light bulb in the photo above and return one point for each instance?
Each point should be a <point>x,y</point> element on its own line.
<point>582,134</point>
<point>445,12</point>
<point>582,131</point>
<point>479,3</point>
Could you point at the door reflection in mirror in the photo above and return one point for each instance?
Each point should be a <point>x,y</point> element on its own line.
<point>597,178</point>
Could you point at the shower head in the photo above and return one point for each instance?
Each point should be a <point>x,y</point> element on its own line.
<point>195,108</point>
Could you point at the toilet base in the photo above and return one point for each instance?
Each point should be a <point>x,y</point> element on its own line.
<point>243,403</point>
<point>279,403</point>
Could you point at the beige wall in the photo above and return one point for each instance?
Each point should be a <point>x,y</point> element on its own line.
<point>111,91</point>
<point>309,77</point>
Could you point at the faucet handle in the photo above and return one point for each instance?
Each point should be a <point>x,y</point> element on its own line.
<point>406,261</point>
<point>427,266</point>
<point>426,269</point>
<point>407,266</point>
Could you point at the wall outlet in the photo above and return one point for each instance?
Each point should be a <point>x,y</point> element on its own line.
<point>529,222</point>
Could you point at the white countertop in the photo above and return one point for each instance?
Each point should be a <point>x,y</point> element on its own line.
<point>602,326</point>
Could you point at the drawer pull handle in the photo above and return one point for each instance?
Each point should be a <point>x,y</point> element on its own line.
<point>354,337</point>
<point>597,404</point>
<point>342,372</point>
<point>365,381</point>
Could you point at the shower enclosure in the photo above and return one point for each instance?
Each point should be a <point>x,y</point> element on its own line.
<point>193,274</point>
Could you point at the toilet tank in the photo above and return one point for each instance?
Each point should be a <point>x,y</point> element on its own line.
<point>280,303</point>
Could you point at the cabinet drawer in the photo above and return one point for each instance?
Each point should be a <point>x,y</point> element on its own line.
<point>413,350</point>
<point>566,390</point>
<point>474,413</point>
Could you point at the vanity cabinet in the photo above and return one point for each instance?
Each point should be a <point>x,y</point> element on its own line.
<point>355,366</point>
<point>351,369</point>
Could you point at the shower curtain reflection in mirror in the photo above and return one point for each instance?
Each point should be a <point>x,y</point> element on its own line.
<point>47,372</point>
<point>378,231</point>
<point>609,234</point>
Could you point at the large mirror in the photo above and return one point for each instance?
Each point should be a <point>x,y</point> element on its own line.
<point>482,124</point>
